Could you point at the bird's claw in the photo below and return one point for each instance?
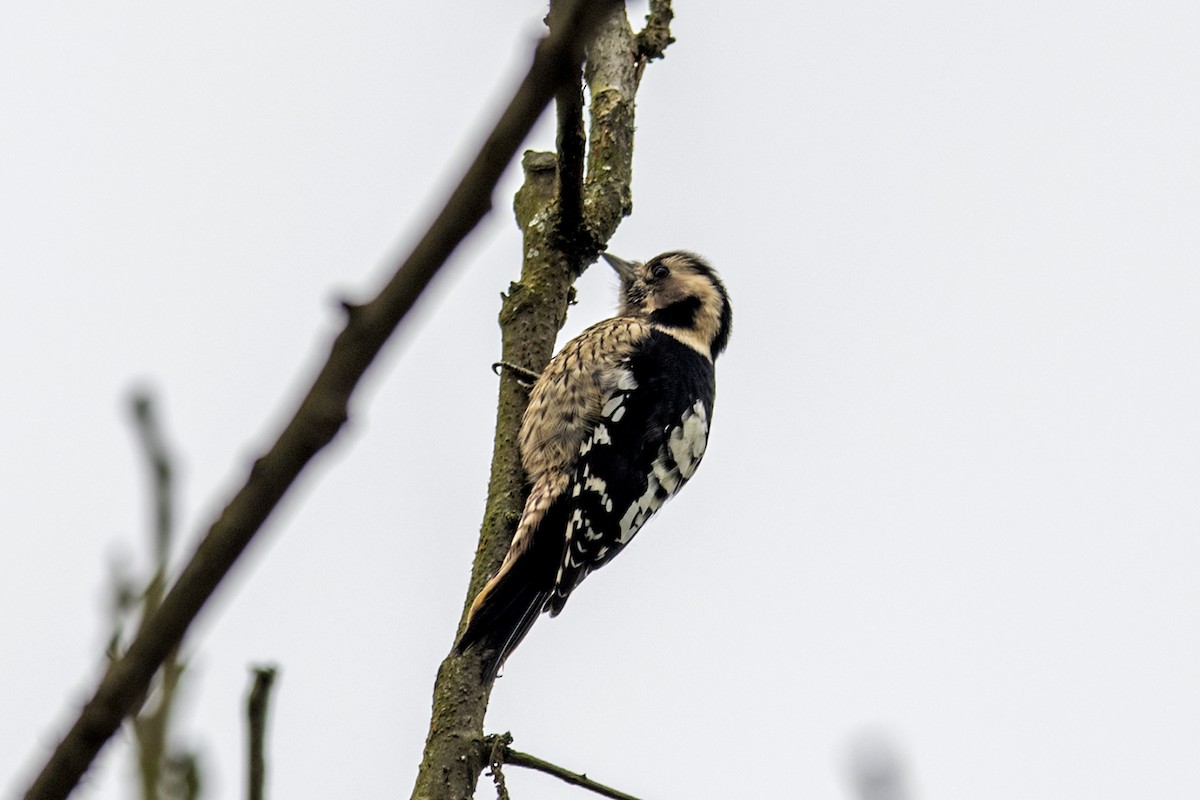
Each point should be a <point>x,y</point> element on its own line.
<point>525,377</point>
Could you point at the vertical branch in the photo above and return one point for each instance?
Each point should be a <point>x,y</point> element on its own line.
<point>566,213</point>
<point>159,461</point>
<point>532,312</point>
<point>256,719</point>
<point>612,79</point>
<point>571,231</point>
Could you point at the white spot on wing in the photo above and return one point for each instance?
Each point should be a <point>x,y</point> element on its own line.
<point>640,511</point>
<point>598,486</point>
<point>669,478</point>
<point>688,441</point>
<point>599,436</point>
<point>677,461</point>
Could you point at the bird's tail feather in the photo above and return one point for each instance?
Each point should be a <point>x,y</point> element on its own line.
<point>504,612</point>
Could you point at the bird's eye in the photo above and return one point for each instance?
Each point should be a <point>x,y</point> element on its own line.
<point>660,271</point>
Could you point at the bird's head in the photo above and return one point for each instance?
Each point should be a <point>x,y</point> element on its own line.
<point>678,291</point>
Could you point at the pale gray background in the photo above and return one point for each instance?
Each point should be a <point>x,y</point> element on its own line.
<point>951,489</point>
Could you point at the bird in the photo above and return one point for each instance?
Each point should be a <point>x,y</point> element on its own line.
<point>615,426</point>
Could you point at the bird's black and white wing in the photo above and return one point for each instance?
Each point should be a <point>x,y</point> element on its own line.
<point>649,440</point>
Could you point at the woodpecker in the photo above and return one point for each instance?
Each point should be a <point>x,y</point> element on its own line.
<point>616,425</point>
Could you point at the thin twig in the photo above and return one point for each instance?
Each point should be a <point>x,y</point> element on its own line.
<point>322,412</point>
<point>256,717</point>
<point>518,759</point>
<point>158,458</point>
<point>151,726</point>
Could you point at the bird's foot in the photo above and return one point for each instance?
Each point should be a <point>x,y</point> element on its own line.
<point>525,377</point>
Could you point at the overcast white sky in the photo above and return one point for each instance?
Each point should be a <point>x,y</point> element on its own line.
<point>951,492</point>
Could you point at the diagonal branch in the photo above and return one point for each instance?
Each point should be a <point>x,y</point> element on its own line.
<point>498,751</point>
<point>321,413</point>
<point>519,759</point>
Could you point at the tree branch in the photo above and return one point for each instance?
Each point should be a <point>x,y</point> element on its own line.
<point>256,719</point>
<point>501,753</point>
<point>519,759</point>
<point>532,313</point>
<point>571,229</point>
<point>321,413</point>
<point>612,83</point>
<point>151,725</point>
<point>159,460</point>
<point>655,38</point>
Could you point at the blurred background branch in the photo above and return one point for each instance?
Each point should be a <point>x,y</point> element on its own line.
<point>165,771</point>
<point>256,718</point>
<point>877,768</point>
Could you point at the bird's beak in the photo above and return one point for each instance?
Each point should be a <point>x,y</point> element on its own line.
<point>626,269</point>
